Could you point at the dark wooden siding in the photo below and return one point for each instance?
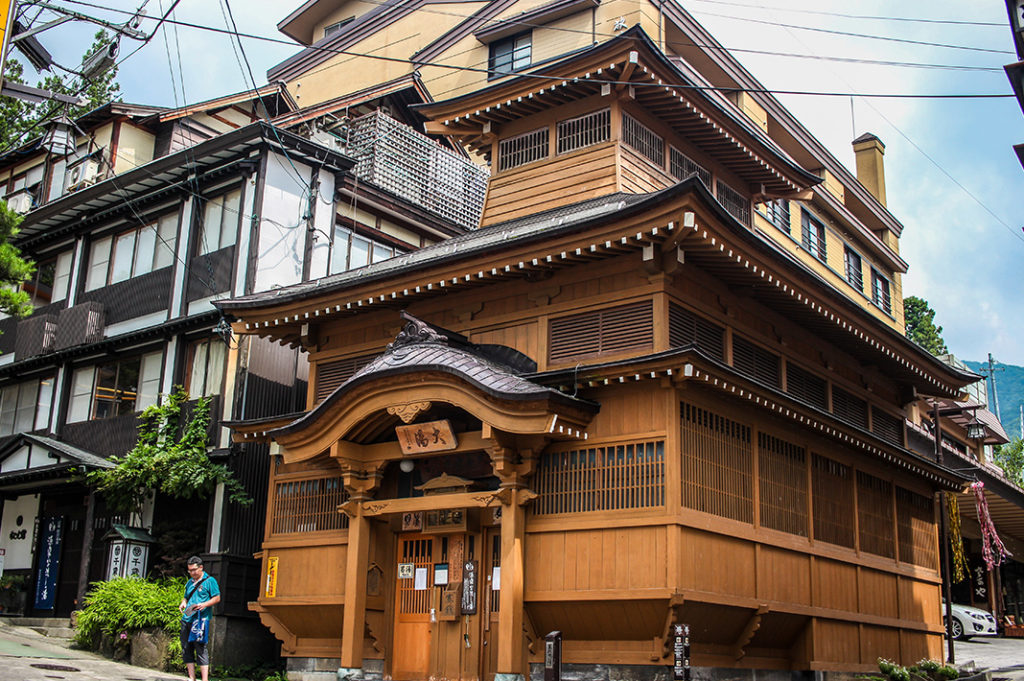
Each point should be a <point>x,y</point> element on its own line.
<point>210,274</point>
<point>134,297</point>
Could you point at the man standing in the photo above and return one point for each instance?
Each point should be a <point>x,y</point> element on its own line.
<point>201,592</point>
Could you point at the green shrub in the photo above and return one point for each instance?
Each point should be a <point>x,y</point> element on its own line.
<point>126,605</point>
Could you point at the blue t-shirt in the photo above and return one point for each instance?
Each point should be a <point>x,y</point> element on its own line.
<point>207,589</point>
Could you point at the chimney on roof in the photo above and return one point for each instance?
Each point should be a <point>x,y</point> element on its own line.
<point>869,151</point>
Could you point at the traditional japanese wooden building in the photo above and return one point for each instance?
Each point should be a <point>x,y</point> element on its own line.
<point>623,403</point>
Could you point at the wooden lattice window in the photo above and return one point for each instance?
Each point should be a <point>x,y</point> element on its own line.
<point>754,361</point>
<point>782,484</point>
<point>650,144</point>
<point>682,166</point>
<point>522,149</point>
<point>583,131</point>
<point>308,506</point>
<point>915,521</point>
<point>602,332</point>
<point>874,515</point>
<point>686,328</point>
<point>832,501</point>
<point>329,375</point>
<point>849,408</point>
<point>735,203</point>
<point>804,385</point>
<point>717,475</point>
<point>887,426</point>
<point>615,477</point>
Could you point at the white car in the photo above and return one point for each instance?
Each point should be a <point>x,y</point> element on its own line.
<point>968,622</point>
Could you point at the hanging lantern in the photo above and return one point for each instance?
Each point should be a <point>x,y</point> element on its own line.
<point>976,430</point>
<point>59,138</point>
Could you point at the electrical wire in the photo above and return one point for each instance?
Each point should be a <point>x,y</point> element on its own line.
<point>955,22</point>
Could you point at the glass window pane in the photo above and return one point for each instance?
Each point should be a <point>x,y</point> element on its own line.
<point>128,385</point>
<point>26,416</point>
<point>229,218</point>
<point>43,403</point>
<point>166,241</point>
<point>81,394</point>
<point>99,259</point>
<point>149,382</point>
<point>8,408</point>
<point>339,250</point>
<point>62,276</point>
<point>121,263</point>
<point>144,252</point>
<point>360,252</point>
<point>210,233</point>
<point>105,402</point>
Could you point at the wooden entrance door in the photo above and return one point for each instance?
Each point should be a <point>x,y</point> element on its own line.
<point>411,658</point>
<point>490,600</point>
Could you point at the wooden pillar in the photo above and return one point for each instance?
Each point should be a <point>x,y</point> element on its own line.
<point>87,541</point>
<point>510,619</point>
<point>356,565</point>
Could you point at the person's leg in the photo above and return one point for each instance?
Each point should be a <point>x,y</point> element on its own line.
<point>187,652</point>
<point>203,658</point>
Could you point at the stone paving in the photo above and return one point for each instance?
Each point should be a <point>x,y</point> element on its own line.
<point>1004,657</point>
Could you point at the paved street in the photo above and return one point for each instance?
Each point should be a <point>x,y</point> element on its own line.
<point>1004,656</point>
<point>28,656</point>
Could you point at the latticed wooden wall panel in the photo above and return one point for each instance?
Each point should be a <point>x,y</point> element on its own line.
<point>849,408</point>
<point>602,332</point>
<point>615,477</point>
<point>308,505</point>
<point>915,522</point>
<point>686,328</point>
<point>874,515</point>
<point>782,478</point>
<point>716,462</point>
<point>329,375</point>
<point>832,495</point>
<point>804,385</point>
<point>887,426</point>
<point>755,362</point>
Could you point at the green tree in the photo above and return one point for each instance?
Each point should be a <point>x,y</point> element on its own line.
<point>169,457</point>
<point>14,270</point>
<point>21,120</point>
<point>1010,457</point>
<point>920,322</point>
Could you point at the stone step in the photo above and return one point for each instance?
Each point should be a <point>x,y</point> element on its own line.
<point>39,621</point>
<point>55,632</point>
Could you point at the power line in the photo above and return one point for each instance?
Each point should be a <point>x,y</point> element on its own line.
<point>954,22</point>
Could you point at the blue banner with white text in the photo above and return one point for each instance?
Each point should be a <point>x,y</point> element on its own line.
<point>49,563</point>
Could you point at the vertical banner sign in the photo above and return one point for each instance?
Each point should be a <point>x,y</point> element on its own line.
<point>469,588</point>
<point>49,564</point>
<point>681,652</point>
<point>7,26</point>
<point>271,589</point>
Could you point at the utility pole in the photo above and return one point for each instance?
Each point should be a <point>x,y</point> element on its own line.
<point>990,373</point>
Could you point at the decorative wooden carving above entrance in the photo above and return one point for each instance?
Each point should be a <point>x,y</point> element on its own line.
<point>408,412</point>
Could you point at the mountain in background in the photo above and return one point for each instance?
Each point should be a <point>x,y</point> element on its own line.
<point>1010,384</point>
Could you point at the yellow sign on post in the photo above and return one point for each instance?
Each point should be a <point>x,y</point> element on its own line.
<point>271,589</point>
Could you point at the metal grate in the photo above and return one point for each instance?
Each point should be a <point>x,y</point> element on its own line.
<point>832,494</point>
<point>583,131</point>
<point>717,471</point>
<point>854,268</point>
<point>682,166</point>
<point>755,362</point>
<point>522,149</point>
<point>308,506</point>
<point>643,139</point>
<point>734,203</point>
<point>776,212</point>
<point>615,477</point>
<point>602,332</point>
<point>686,328</point>
<point>813,236</point>
<point>412,166</point>
<point>782,483</point>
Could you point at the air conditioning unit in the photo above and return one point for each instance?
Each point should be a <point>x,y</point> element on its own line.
<point>84,174</point>
<point>20,202</point>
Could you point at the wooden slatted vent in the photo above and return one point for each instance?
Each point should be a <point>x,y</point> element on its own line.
<point>686,328</point>
<point>329,375</point>
<point>874,515</point>
<point>782,484</point>
<point>755,362</point>
<point>915,521</point>
<point>308,506</point>
<point>611,478</point>
<point>805,386</point>
<point>887,426</point>
<point>849,408</point>
<point>583,131</point>
<point>717,475</point>
<point>832,494</point>
<point>602,332</point>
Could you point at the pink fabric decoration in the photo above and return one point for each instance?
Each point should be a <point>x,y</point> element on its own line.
<point>992,549</point>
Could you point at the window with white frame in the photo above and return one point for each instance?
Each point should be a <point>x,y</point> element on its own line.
<point>132,253</point>
<point>206,361</point>
<point>510,54</point>
<point>220,222</point>
<point>49,283</point>
<point>813,235</point>
<point>350,250</point>
<point>25,407</point>
<point>854,268</point>
<point>121,386</point>
<point>880,292</point>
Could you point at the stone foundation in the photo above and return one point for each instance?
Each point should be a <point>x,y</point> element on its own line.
<point>327,669</point>
<point>623,672</point>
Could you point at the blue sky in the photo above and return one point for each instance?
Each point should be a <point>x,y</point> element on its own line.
<point>951,175</point>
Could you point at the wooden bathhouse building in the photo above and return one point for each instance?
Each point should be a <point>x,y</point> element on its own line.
<point>650,389</point>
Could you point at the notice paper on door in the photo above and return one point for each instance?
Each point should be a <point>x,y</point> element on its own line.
<point>420,583</point>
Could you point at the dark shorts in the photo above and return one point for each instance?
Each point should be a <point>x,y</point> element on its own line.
<point>192,652</point>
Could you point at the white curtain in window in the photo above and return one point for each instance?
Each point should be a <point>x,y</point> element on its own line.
<point>99,259</point>
<point>62,276</point>
<point>149,380</point>
<point>81,395</point>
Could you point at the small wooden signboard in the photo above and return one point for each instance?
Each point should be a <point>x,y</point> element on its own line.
<point>469,588</point>
<point>451,597</point>
<point>421,438</point>
<point>444,520</point>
